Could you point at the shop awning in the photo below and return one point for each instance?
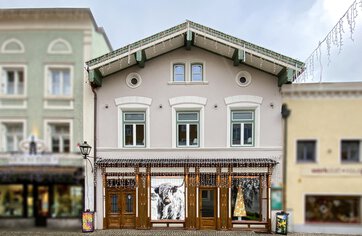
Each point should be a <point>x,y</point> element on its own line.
<point>40,174</point>
<point>186,162</point>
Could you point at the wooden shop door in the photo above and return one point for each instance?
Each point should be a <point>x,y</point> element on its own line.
<point>121,208</point>
<point>128,210</point>
<point>207,208</point>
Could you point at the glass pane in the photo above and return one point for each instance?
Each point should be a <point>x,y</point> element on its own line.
<point>11,200</point>
<point>179,73</point>
<point>128,135</point>
<point>207,203</point>
<point>55,83</point>
<point>30,201</point>
<point>20,82</point>
<point>67,201</point>
<point>236,134</point>
<point>114,203</point>
<point>306,150</point>
<point>55,144</point>
<point>182,135</point>
<point>140,135</point>
<point>66,145</point>
<point>242,115</point>
<point>66,82</point>
<point>129,203</point>
<point>134,116</point>
<point>188,116</point>
<point>333,209</point>
<point>43,201</point>
<point>10,82</point>
<point>193,137</point>
<point>196,73</point>
<point>350,150</point>
<point>248,134</point>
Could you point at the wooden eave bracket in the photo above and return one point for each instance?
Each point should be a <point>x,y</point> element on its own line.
<point>285,76</point>
<point>140,57</point>
<point>95,77</point>
<point>238,57</point>
<point>189,39</point>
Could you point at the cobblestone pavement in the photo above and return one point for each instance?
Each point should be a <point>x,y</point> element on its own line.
<point>71,232</point>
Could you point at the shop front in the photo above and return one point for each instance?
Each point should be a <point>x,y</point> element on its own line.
<point>218,194</point>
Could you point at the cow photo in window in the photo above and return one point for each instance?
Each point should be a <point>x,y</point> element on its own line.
<point>167,199</point>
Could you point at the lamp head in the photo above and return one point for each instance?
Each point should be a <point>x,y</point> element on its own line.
<point>85,149</point>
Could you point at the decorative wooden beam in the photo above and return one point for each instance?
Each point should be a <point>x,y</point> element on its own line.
<point>95,77</point>
<point>189,40</point>
<point>140,58</point>
<point>285,76</point>
<point>238,57</point>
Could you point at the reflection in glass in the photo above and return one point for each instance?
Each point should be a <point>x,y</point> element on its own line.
<point>11,200</point>
<point>207,202</point>
<point>129,203</point>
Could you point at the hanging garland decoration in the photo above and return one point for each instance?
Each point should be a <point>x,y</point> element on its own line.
<point>333,38</point>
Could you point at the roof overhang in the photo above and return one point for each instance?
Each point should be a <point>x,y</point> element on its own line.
<point>188,35</point>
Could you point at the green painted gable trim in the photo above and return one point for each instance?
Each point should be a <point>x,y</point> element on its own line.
<point>95,77</point>
<point>285,76</point>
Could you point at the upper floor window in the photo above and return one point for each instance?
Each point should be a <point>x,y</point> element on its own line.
<point>196,72</point>
<point>179,72</point>
<point>60,137</point>
<point>13,134</point>
<point>242,128</point>
<point>187,129</point>
<point>59,81</point>
<point>13,81</point>
<point>306,150</point>
<point>134,129</point>
<point>350,151</point>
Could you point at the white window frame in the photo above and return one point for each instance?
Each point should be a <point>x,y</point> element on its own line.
<point>3,143</point>
<point>133,104</point>
<point>47,80</point>
<point>188,72</point>
<point>6,67</point>
<point>187,123</point>
<point>243,102</point>
<point>242,123</point>
<point>9,41</point>
<point>184,104</point>
<point>134,125</point>
<point>48,134</point>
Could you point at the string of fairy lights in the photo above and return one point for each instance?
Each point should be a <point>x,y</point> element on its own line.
<point>314,64</point>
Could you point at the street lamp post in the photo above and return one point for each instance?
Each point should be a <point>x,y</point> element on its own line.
<point>87,216</point>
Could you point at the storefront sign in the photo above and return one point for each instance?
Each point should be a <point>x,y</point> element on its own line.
<point>87,221</point>
<point>346,171</point>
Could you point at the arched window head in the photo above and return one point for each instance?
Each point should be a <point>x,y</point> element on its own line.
<point>12,46</point>
<point>59,46</point>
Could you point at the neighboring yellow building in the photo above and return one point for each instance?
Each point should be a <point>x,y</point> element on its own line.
<point>324,163</point>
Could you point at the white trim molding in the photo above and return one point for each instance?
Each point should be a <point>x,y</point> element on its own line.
<point>133,100</point>
<point>67,50</point>
<point>188,100</point>
<point>243,102</point>
<point>10,41</point>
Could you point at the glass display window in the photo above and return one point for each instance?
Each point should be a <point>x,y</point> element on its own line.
<point>11,200</point>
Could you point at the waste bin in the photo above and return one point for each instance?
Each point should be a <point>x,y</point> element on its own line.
<point>281,223</point>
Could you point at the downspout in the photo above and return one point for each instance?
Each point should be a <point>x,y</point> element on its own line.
<point>285,114</point>
<point>94,145</point>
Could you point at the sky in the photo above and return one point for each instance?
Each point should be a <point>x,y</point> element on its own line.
<point>293,28</point>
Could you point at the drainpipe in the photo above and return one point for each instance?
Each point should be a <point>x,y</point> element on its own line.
<point>285,114</point>
<point>94,145</point>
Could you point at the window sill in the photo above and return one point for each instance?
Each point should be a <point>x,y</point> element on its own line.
<point>188,83</point>
<point>5,96</point>
<point>59,98</point>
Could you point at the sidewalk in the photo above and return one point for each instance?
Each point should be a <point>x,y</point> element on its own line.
<point>71,232</point>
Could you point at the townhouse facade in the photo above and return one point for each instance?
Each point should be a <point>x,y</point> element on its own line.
<point>42,55</point>
<point>187,131</point>
<point>324,164</point>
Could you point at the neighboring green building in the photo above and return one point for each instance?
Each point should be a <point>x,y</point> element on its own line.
<point>42,55</point>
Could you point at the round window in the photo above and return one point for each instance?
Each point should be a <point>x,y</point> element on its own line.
<point>133,80</point>
<point>243,78</point>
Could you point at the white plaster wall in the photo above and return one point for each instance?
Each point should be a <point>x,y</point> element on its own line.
<point>220,74</point>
